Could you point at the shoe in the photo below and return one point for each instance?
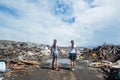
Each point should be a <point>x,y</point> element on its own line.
<point>57,69</point>
<point>73,69</point>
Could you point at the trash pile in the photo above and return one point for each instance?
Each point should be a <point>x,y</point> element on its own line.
<point>105,52</point>
<point>105,57</point>
<point>20,56</point>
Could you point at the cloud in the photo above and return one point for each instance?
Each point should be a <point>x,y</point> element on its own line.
<point>88,22</point>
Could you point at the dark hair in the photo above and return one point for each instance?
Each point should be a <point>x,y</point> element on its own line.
<point>55,40</point>
<point>72,42</point>
<point>54,43</point>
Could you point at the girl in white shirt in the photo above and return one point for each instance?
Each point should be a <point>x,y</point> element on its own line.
<point>72,54</point>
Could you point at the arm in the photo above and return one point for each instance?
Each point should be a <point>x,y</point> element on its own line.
<point>51,51</point>
<point>59,49</point>
<point>75,50</point>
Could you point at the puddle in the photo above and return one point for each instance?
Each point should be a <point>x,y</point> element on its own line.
<point>78,67</point>
<point>61,61</point>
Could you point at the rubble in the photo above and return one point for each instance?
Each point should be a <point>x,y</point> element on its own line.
<point>108,52</point>
<point>19,56</point>
<point>106,57</point>
<point>23,57</point>
<point>11,50</point>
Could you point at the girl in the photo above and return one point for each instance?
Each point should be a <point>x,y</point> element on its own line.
<point>54,52</point>
<point>72,55</point>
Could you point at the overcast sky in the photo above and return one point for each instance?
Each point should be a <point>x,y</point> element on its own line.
<point>88,22</point>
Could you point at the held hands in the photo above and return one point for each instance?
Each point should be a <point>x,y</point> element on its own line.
<point>60,53</point>
<point>51,54</point>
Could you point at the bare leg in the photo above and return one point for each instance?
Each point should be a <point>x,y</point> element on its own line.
<point>71,63</point>
<point>56,63</point>
<point>74,64</point>
<point>53,63</point>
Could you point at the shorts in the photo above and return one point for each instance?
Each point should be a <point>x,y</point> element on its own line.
<point>72,56</point>
<point>55,55</point>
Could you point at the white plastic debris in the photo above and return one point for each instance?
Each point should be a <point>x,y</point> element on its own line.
<point>1,78</point>
<point>86,61</point>
<point>45,52</point>
<point>106,62</point>
<point>2,66</point>
<point>116,65</point>
<point>29,53</point>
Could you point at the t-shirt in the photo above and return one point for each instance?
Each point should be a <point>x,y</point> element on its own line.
<point>72,50</point>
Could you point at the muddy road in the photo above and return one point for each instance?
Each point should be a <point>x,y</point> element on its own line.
<point>82,72</point>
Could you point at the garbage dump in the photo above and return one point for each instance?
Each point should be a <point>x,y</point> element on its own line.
<point>105,52</point>
<point>20,57</point>
<point>107,58</point>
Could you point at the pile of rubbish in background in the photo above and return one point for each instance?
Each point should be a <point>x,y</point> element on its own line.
<point>21,57</point>
<point>106,57</point>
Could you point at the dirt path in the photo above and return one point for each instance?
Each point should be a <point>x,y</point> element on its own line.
<point>48,74</point>
<point>82,72</point>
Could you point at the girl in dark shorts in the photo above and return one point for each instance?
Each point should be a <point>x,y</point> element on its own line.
<point>72,55</point>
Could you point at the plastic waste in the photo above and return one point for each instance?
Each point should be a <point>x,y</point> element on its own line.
<point>2,67</point>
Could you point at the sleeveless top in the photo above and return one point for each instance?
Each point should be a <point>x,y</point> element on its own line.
<point>55,50</point>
